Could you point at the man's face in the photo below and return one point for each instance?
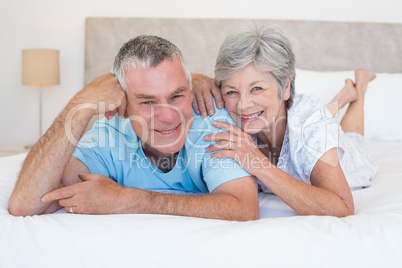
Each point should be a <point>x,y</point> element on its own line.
<point>159,105</point>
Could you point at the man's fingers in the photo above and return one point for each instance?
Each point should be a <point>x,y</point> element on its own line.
<point>58,194</point>
<point>85,176</point>
<point>195,106</point>
<point>110,115</point>
<point>209,101</point>
<point>216,92</point>
<point>122,108</point>
<point>89,177</point>
<point>201,105</point>
<point>67,202</point>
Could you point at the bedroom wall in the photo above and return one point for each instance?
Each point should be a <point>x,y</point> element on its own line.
<point>60,25</point>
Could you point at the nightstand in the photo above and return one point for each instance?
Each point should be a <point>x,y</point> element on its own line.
<point>12,150</point>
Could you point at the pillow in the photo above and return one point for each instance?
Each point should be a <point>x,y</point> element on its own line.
<point>382,107</point>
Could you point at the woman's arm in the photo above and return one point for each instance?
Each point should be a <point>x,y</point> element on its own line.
<point>329,193</point>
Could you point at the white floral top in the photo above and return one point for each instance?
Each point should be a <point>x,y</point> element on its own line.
<point>312,131</point>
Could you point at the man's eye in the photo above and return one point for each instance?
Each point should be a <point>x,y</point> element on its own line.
<point>146,102</point>
<point>177,96</point>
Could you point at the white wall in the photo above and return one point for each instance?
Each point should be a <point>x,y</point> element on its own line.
<point>59,24</point>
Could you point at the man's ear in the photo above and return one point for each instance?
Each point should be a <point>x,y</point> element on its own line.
<point>286,92</point>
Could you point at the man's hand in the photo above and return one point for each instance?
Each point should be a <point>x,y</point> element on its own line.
<point>103,89</point>
<point>203,89</point>
<point>97,194</point>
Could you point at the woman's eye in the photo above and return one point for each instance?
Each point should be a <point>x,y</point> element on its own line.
<point>146,102</point>
<point>257,88</point>
<point>231,92</point>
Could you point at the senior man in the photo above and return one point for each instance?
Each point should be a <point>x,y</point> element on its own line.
<point>128,163</point>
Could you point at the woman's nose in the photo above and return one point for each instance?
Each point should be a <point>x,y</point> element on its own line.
<point>245,102</point>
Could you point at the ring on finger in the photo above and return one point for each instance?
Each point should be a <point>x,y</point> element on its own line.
<point>230,145</point>
<point>71,210</point>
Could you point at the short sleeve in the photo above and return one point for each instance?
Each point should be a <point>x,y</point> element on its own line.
<point>219,171</point>
<point>93,150</point>
<point>214,171</point>
<point>313,131</point>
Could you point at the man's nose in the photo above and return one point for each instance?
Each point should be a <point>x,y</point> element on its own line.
<point>166,113</point>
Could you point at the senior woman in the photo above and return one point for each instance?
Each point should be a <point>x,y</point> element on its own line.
<point>291,143</point>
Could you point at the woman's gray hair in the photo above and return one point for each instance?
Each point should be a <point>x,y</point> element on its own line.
<point>146,51</point>
<point>266,47</point>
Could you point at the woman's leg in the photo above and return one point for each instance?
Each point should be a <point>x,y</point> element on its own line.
<point>346,95</point>
<point>353,120</point>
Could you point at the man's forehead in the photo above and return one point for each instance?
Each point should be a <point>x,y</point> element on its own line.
<point>163,79</point>
<point>159,93</point>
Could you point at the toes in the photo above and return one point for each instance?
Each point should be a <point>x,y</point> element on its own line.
<point>349,82</point>
<point>371,76</point>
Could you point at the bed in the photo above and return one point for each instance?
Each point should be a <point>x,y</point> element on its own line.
<point>326,52</point>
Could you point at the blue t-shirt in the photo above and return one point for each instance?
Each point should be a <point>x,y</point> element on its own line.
<point>111,148</point>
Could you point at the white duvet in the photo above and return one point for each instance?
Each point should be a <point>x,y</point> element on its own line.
<point>371,238</point>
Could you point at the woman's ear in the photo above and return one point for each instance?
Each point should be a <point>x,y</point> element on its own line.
<point>286,92</point>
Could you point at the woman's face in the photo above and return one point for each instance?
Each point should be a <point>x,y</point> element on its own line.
<point>251,98</point>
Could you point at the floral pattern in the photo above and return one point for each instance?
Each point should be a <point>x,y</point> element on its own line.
<point>311,132</point>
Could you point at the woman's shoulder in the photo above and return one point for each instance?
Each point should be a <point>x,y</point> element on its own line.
<point>305,103</point>
<point>304,108</point>
<point>312,132</point>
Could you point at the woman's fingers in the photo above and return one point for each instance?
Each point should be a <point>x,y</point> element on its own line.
<point>222,145</point>
<point>221,136</point>
<point>228,127</point>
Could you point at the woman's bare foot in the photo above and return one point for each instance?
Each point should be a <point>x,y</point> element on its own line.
<point>362,78</point>
<point>353,120</point>
<point>347,95</point>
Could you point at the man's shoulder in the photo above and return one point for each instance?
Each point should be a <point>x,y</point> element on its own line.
<point>220,115</point>
<point>202,127</point>
<point>113,133</point>
<point>115,126</point>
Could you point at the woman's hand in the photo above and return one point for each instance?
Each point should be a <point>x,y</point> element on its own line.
<point>239,146</point>
<point>203,89</point>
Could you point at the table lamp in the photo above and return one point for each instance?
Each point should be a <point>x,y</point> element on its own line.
<point>40,67</point>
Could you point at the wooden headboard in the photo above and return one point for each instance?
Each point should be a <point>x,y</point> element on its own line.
<point>320,46</point>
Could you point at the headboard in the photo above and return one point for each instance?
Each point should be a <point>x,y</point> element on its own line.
<point>320,46</point>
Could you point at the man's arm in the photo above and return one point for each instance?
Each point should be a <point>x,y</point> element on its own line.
<point>233,200</point>
<point>43,168</point>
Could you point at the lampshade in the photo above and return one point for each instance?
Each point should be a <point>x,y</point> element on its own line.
<point>40,67</point>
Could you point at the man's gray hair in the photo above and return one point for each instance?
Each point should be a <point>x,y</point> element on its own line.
<point>266,47</point>
<point>146,51</point>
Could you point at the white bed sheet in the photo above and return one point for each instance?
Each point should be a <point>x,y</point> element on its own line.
<point>371,238</point>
